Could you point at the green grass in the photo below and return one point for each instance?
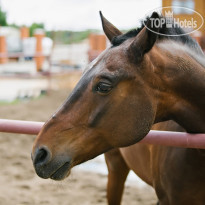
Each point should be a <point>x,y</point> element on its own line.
<point>9,103</point>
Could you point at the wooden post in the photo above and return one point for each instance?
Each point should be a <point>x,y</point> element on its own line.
<point>24,32</point>
<point>97,44</point>
<point>39,58</point>
<point>3,50</point>
<point>101,45</point>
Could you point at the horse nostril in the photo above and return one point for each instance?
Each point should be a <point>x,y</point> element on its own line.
<point>42,156</point>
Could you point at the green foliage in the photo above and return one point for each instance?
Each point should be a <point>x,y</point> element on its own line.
<point>68,37</point>
<point>3,21</point>
<point>35,26</point>
<point>14,25</point>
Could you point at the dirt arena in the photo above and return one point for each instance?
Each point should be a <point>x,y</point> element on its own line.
<point>20,185</point>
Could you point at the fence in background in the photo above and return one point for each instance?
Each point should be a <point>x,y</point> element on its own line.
<point>38,52</point>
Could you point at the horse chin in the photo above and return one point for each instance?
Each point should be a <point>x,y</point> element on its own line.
<point>62,172</point>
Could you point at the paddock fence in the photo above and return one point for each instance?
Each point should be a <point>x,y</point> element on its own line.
<point>165,138</point>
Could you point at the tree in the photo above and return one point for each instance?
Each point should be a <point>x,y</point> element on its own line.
<point>3,21</point>
<point>35,26</point>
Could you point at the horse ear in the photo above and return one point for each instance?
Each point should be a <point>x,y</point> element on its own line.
<point>109,29</point>
<point>145,39</point>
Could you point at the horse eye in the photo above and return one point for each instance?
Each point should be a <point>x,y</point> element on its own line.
<point>103,87</point>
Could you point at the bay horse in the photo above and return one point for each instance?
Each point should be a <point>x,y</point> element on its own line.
<point>145,161</point>
<point>143,78</point>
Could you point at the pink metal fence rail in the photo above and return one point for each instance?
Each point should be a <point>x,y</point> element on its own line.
<point>21,127</point>
<point>176,139</point>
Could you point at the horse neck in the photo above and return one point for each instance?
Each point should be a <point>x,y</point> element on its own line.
<point>181,93</point>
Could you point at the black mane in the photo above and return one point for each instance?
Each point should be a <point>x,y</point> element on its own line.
<point>175,30</point>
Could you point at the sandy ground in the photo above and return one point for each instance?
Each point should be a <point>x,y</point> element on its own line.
<point>20,185</point>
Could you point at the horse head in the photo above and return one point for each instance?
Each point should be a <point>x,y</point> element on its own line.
<point>111,106</point>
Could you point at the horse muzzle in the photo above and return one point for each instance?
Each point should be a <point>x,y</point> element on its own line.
<point>46,167</point>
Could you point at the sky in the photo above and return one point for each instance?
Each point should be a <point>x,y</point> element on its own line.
<point>77,14</point>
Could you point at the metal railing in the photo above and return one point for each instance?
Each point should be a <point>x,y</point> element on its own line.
<point>165,138</point>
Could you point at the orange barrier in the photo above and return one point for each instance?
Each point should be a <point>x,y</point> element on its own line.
<point>24,32</point>
<point>3,50</point>
<point>39,59</point>
<point>97,43</point>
